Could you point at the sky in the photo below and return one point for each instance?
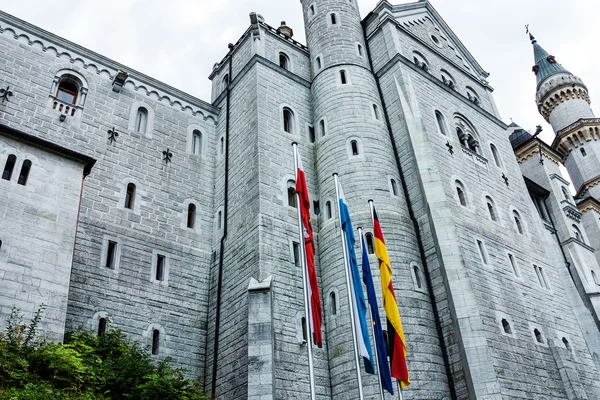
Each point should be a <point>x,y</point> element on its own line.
<point>178,41</point>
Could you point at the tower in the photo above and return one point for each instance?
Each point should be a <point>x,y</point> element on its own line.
<point>352,139</point>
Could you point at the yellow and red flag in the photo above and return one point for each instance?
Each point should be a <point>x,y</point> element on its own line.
<point>396,341</point>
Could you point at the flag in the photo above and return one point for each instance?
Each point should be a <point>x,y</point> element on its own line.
<point>396,342</point>
<point>309,246</point>
<point>382,358</point>
<point>360,306</point>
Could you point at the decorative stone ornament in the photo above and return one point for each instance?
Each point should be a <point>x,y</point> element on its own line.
<point>167,155</point>
<point>112,135</point>
<point>5,94</point>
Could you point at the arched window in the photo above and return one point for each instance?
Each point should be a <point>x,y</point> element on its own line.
<point>155,342</point>
<point>417,273</point>
<point>578,234</point>
<point>460,192</point>
<point>420,61</point>
<point>370,245</point>
<point>319,64</point>
<point>333,19</point>
<point>322,127</point>
<point>343,77</point>
<point>222,145</point>
<point>312,10</point>
<point>284,61</point>
<point>291,193</point>
<point>311,134</point>
<point>394,187</point>
<point>506,327</point>
<point>491,208</point>
<point>141,120</point>
<point>288,120</point>
<point>9,166</point>
<point>472,96</point>
<point>496,155</point>
<point>328,210</point>
<point>447,79</point>
<point>225,81</point>
<point>304,330</point>
<point>595,278</point>
<point>219,220</point>
<point>441,122</point>
<point>24,173</point>
<point>566,193</point>
<point>538,336</point>
<point>196,142</point>
<point>518,223</point>
<point>68,91</point>
<point>191,216</point>
<point>467,135</point>
<point>130,196</point>
<point>101,326</point>
<point>567,344</point>
<point>354,146</point>
<point>360,50</point>
<point>332,303</point>
<point>376,111</point>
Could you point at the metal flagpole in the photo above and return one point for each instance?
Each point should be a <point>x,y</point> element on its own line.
<point>376,359</point>
<point>372,207</point>
<point>349,288</point>
<point>307,313</point>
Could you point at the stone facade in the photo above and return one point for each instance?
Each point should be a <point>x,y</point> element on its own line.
<point>184,235</point>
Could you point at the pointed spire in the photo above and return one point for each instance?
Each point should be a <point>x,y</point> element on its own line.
<point>545,64</point>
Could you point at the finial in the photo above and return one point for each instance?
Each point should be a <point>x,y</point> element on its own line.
<point>529,33</point>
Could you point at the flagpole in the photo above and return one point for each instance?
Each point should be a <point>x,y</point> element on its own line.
<point>349,289</point>
<point>307,315</point>
<point>372,208</point>
<point>376,358</point>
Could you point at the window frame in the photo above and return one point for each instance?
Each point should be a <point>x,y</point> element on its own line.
<point>9,167</point>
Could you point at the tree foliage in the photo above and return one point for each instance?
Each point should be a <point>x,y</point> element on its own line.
<point>85,367</point>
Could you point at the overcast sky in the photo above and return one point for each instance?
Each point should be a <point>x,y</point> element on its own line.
<point>178,41</point>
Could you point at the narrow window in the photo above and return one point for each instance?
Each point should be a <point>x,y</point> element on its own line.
<point>111,255</point>
<point>319,65</point>
<point>538,336</point>
<point>343,77</point>
<point>513,264</point>
<point>333,19</point>
<point>460,191</point>
<point>369,240</point>
<point>24,173</point>
<point>9,166</point>
<point>160,267</point>
<point>496,155</point>
<point>328,210</point>
<point>541,277</point>
<point>360,51</point>
<point>565,193</point>
<point>332,303</point>
<point>518,222</point>
<point>595,278</point>
<point>394,187</point>
<point>376,111</point>
<point>219,220</point>
<point>311,134</point>
<point>291,193</point>
<point>130,196</point>
<point>417,273</point>
<point>482,252</point>
<point>491,209</point>
<point>222,146</point>
<point>141,120</point>
<point>316,207</point>
<point>354,146</point>
<point>225,81</point>
<point>583,153</point>
<point>284,61</point>
<point>288,120</point>
<point>578,235</point>
<point>506,327</point>
<point>304,330</point>
<point>67,91</point>
<point>567,344</point>
<point>191,216</point>
<point>312,10</point>
<point>296,255</point>
<point>101,326</point>
<point>196,142</point>
<point>441,122</point>
<point>155,341</point>
<point>322,127</point>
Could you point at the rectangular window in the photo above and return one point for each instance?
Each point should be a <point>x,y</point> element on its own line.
<point>296,255</point>
<point>541,275</point>
<point>160,267</point>
<point>111,254</point>
<point>513,264</point>
<point>482,252</point>
<point>317,207</point>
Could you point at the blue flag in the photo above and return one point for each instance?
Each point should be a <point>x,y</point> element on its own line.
<point>382,357</point>
<point>360,306</point>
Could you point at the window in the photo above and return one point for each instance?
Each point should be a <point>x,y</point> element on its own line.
<point>304,330</point>
<point>417,274</point>
<point>496,155</point>
<point>319,64</point>
<point>225,81</point>
<point>311,134</point>
<point>354,145</point>
<point>467,135</point>
<point>141,120</point>
<point>343,78</point>
<point>296,253</point>
<point>491,208</point>
<point>394,187</point>
<point>67,91</point>
<point>566,193</point>
<point>595,278</point>
<point>460,192</point>
<point>130,196</point>
<point>222,145</point>
<point>191,216</point>
<point>506,327</point>
<point>578,234</point>
<point>312,10</point>
<point>322,127</point>
<point>160,268</point>
<point>541,275</point>
<point>513,264</point>
<point>333,19</point>
<point>332,303</point>
<point>447,79</point>
<point>101,326</point>
<point>441,123</point>
<point>328,210</point>
<point>482,252</point>
<point>360,50</point>
<point>583,153</point>
<point>369,240</point>
<point>538,336</point>
<point>155,341</point>
<point>518,223</point>
<point>291,193</point>
<point>567,344</point>
<point>111,255</point>
<point>376,111</point>
<point>9,166</point>
<point>196,142</point>
<point>472,96</point>
<point>219,220</point>
<point>284,61</point>
<point>24,173</point>
<point>288,120</point>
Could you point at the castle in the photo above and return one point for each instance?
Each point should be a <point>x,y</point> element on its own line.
<point>127,202</point>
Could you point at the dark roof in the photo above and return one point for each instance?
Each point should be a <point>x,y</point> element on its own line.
<point>545,64</point>
<point>519,137</point>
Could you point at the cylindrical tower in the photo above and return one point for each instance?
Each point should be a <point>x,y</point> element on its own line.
<point>352,140</point>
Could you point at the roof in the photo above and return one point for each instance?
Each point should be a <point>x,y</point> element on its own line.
<point>519,137</point>
<point>545,64</point>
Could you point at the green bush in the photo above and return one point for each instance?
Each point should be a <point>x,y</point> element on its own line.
<point>85,367</point>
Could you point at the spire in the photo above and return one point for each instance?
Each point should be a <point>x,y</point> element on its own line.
<point>545,64</point>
